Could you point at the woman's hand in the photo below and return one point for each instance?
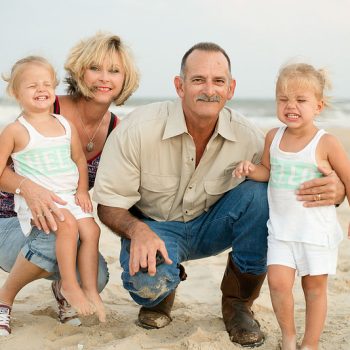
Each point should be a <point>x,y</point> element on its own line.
<point>327,190</point>
<point>41,202</point>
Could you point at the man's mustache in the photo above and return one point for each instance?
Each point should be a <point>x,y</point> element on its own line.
<point>206,98</point>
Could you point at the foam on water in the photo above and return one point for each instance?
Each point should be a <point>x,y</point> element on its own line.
<point>260,112</point>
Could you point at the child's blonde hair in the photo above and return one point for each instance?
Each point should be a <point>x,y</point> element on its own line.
<point>92,51</point>
<point>14,78</point>
<point>307,76</point>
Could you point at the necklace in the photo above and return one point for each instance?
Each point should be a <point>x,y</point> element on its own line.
<point>90,145</point>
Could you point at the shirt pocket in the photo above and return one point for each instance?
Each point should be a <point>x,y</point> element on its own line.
<point>157,194</point>
<point>216,188</point>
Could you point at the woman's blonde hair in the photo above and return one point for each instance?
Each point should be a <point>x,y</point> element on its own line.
<point>14,78</point>
<point>305,75</point>
<point>92,51</point>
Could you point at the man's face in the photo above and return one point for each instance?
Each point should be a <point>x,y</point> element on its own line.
<point>206,86</point>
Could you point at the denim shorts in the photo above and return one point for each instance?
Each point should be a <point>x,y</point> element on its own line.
<point>39,248</point>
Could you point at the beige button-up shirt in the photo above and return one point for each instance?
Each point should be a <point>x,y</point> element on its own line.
<point>149,161</point>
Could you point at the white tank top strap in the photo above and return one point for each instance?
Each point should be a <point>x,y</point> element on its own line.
<point>34,135</point>
<point>277,138</point>
<point>318,136</point>
<point>30,128</point>
<point>33,132</point>
<point>65,124</point>
<point>311,147</point>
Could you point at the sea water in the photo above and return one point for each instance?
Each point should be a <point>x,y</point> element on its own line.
<point>260,111</point>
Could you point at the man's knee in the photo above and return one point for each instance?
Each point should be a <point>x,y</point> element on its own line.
<point>258,191</point>
<point>149,290</point>
<point>250,197</point>
<point>255,193</point>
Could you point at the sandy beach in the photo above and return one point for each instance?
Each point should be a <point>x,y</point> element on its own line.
<point>197,321</point>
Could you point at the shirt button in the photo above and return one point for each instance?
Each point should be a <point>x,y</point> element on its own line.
<point>190,187</point>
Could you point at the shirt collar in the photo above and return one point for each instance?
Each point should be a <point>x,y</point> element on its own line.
<point>176,124</point>
<point>224,126</point>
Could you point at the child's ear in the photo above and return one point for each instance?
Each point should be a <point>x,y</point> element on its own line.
<point>320,106</point>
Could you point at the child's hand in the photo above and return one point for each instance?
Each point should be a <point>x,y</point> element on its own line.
<point>243,169</point>
<point>82,198</point>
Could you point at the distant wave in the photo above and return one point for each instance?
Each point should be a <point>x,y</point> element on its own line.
<point>259,111</point>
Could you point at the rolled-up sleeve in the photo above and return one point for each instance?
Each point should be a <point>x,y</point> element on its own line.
<point>118,176</point>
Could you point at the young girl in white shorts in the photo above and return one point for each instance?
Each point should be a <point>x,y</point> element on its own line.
<point>46,149</point>
<point>300,239</point>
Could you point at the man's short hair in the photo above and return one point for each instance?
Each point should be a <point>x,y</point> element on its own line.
<point>204,46</point>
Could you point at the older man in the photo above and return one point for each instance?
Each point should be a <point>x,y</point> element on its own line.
<point>165,186</point>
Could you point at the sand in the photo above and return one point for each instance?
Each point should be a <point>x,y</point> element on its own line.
<point>197,321</point>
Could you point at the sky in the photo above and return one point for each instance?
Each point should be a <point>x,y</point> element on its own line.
<point>258,35</point>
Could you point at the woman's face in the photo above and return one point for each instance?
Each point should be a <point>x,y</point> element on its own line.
<point>105,80</point>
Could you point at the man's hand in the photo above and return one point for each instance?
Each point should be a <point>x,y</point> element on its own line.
<point>144,242</point>
<point>327,190</point>
<point>143,249</point>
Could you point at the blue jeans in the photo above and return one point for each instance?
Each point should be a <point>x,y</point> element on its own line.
<point>39,248</point>
<point>237,221</point>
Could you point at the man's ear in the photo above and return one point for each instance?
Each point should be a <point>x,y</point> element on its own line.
<point>231,89</point>
<point>178,82</point>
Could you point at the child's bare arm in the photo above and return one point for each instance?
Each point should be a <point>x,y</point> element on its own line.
<point>339,161</point>
<point>258,172</point>
<point>255,172</point>
<point>82,196</point>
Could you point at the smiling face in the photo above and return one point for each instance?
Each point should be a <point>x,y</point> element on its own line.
<point>206,85</point>
<point>105,80</point>
<point>298,104</point>
<point>35,91</point>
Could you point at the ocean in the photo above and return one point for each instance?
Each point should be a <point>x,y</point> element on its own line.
<point>260,111</point>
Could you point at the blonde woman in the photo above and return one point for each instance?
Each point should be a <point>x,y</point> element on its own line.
<point>100,71</point>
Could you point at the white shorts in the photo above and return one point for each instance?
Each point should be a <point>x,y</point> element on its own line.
<point>75,209</point>
<point>307,259</point>
<point>25,215</point>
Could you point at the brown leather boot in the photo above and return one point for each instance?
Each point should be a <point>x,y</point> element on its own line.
<point>239,290</point>
<point>159,316</point>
